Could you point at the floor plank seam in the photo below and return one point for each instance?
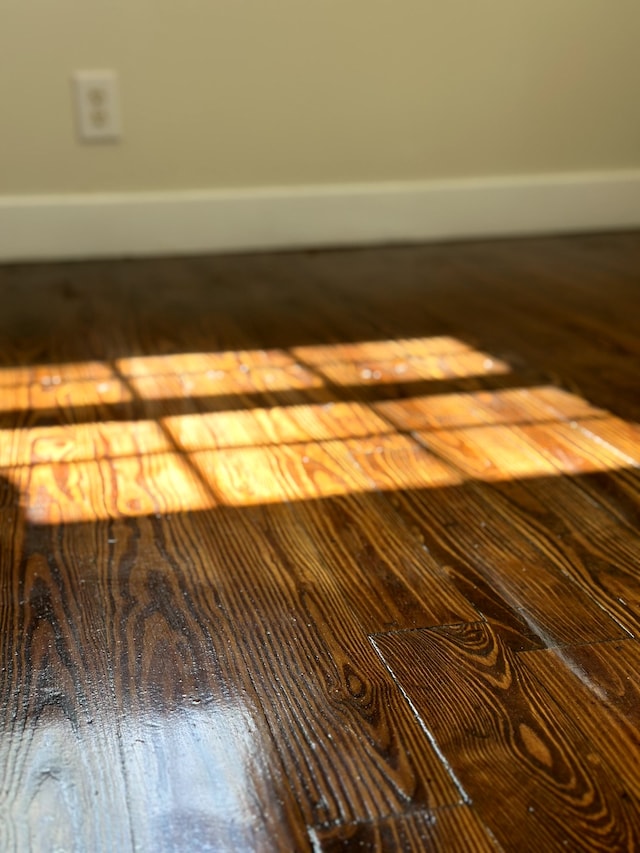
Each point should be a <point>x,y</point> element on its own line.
<point>463,794</point>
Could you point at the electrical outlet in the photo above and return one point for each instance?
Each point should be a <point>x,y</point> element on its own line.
<point>97,106</point>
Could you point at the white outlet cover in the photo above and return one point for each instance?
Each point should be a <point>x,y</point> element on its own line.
<point>97,106</point>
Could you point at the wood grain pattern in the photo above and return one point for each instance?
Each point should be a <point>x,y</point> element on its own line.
<point>564,522</point>
<point>598,687</point>
<point>322,550</point>
<point>577,534</point>
<point>455,830</point>
<point>530,774</point>
<point>461,527</point>
<point>311,646</point>
<point>141,736</point>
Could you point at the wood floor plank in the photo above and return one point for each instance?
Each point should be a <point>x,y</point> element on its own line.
<point>454,830</point>
<point>332,712</point>
<point>388,582</point>
<point>509,406</point>
<point>222,383</point>
<point>554,293</point>
<point>623,435</point>
<point>619,491</point>
<point>82,442</point>
<point>529,772</point>
<point>276,425</point>
<point>461,528</point>
<point>411,368</point>
<point>397,350</point>
<point>597,687</point>
<point>122,696</point>
<point>113,488</point>
<point>585,367</point>
<point>580,536</point>
<point>57,402</point>
<point>574,438</point>
<point>587,544</point>
<point>578,438</point>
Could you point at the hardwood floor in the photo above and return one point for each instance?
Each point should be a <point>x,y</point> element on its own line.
<point>322,551</point>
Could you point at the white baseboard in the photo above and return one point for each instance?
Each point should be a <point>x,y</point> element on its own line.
<point>135,224</point>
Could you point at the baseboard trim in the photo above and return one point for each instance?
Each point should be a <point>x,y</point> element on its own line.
<point>138,224</point>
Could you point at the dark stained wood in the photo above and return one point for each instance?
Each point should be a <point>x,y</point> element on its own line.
<point>529,772</point>
<point>141,734</point>
<point>322,551</point>
<point>454,830</point>
<point>554,337</point>
<point>332,712</point>
<point>526,431</point>
<point>573,531</point>
<point>598,686</point>
<point>460,524</point>
<point>388,582</point>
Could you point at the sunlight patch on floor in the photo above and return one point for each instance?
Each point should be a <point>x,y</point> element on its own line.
<point>202,453</point>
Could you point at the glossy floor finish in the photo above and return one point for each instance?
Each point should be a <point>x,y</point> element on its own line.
<point>322,551</point>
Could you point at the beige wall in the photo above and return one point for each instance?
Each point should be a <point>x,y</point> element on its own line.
<point>239,93</point>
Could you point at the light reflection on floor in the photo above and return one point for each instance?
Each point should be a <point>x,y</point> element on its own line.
<point>209,797</point>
